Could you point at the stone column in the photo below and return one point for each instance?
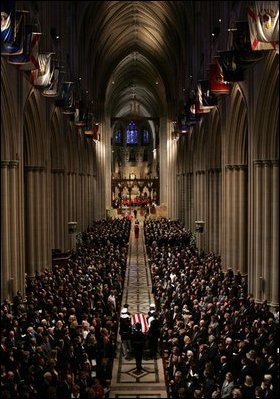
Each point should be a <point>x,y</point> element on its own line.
<point>5,239</point>
<point>275,235</point>
<point>267,228</point>
<point>228,216</point>
<point>210,208</point>
<point>30,218</point>
<point>258,226</point>
<point>243,221</point>
<point>14,222</point>
<point>216,210</point>
<point>62,218</point>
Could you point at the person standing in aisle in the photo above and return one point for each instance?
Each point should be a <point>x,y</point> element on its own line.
<point>136,228</point>
<point>125,332</point>
<point>138,343</point>
<point>154,335</point>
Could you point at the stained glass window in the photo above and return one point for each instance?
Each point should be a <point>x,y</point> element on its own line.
<point>131,133</point>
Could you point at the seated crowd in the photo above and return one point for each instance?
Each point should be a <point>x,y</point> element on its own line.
<point>59,341</point>
<point>217,341</point>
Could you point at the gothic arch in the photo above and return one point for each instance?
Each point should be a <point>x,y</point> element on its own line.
<point>214,139</point>
<point>8,122</point>
<point>267,112</point>
<point>71,149</point>
<point>34,149</point>
<point>237,149</point>
<point>56,140</point>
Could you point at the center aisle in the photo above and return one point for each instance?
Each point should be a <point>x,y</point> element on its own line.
<point>138,294</point>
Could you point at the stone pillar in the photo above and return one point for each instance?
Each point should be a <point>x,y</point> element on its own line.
<point>30,218</point>
<point>228,215</point>
<point>45,221</point>
<point>63,221</point>
<point>210,208</point>
<point>267,228</point>
<point>243,220</point>
<point>5,239</point>
<point>275,235</point>
<point>217,210</point>
<point>258,226</point>
<point>14,222</point>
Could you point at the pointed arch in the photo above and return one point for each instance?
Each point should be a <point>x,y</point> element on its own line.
<point>57,143</point>
<point>8,122</point>
<point>34,148</point>
<point>237,147</point>
<point>267,112</point>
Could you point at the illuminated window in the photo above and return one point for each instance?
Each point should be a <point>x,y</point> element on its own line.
<point>131,133</point>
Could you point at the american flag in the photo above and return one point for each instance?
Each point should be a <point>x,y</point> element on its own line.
<point>140,318</point>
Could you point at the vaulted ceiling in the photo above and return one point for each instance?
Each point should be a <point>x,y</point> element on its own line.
<point>135,51</point>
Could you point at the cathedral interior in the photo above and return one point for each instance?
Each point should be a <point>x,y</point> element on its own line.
<point>133,132</point>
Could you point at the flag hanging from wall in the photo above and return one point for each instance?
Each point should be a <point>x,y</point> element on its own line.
<point>13,36</point>
<point>79,116</point>
<point>232,70</point>
<point>244,55</point>
<point>205,100</point>
<point>28,60</point>
<point>216,78</point>
<point>95,129</point>
<point>88,128</point>
<point>65,98</point>
<point>56,81</point>
<point>8,20</point>
<point>263,18</point>
<point>42,76</point>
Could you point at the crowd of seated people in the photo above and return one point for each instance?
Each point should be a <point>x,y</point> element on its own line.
<point>59,340</point>
<point>217,341</point>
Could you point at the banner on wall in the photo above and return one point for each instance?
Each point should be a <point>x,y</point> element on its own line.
<point>65,98</point>
<point>42,76</point>
<point>232,70</point>
<point>245,56</point>
<point>263,18</point>
<point>28,59</point>
<point>80,115</point>
<point>56,81</point>
<point>205,100</point>
<point>15,45</point>
<point>216,79</point>
<point>8,19</point>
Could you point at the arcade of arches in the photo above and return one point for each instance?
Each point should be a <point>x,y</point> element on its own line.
<point>137,61</point>
<point>224,173</point>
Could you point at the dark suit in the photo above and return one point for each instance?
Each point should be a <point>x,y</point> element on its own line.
<point>138,343</point>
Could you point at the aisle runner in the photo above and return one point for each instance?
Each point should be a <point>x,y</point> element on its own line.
<point>137,293</point>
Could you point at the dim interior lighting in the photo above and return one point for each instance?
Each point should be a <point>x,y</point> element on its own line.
<point>184,89</point>
<point>231,29</point>
<point>190,76</point>
<point>86,91</point>
<point>113,82</point>
<point>156,82</point>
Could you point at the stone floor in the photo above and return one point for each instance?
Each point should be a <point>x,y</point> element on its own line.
<point>138,294</point>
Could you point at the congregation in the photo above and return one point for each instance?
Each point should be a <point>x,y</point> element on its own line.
<point>59,341</point>
<point>217,341</point>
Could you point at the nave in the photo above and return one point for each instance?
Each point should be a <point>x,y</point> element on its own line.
<point>138,295</point>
